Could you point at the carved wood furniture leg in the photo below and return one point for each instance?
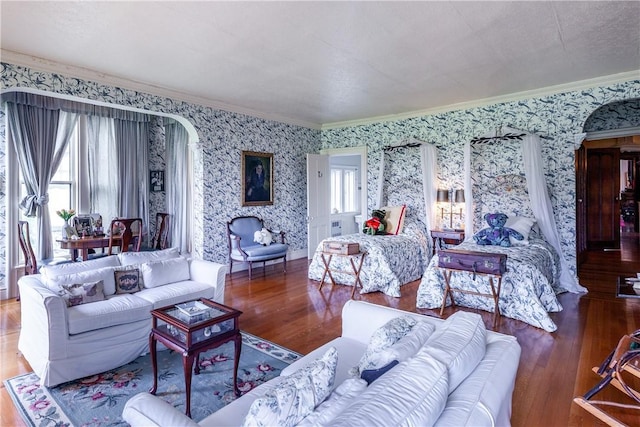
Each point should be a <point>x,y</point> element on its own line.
<point>187,367</point>
<point>238,348</point>
<point>154,361</point>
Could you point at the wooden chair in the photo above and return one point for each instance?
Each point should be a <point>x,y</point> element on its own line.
<point>30,260</point>
<point>160,238</point>
<point>126,234</point>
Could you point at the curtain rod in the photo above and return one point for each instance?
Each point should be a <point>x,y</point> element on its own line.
<point>398,147</point>
<point>506,136</point>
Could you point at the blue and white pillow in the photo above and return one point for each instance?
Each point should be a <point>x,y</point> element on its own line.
<point>382,339</point>
<point>297,395</point>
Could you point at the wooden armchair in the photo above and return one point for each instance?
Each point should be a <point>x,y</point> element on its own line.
<point>160,239</point>
<point>126,234</point>
<point>242,246</point>
<point>30,260</point>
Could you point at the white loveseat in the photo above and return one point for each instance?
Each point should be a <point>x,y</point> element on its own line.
<point>63,343</point>
<point>462,375</point>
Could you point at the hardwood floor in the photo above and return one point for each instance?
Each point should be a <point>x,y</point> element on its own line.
<point>554,367</point>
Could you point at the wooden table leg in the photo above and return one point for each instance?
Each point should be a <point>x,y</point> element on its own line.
<point>447,290</point>
<point>187,367</point>
<point>238,347</point>
<point>327,270</point>
<point>154,362</point>
<point>357,271</point>
<point>496,299</point>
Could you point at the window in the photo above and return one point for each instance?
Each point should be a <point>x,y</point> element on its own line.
<point>344,190</point>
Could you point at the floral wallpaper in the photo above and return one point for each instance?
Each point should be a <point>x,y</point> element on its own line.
<point>556,118</point>
<point>615,115</point>
<point>223,135</point>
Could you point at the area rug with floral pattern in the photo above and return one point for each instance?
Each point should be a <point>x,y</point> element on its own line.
<point>99,400</point>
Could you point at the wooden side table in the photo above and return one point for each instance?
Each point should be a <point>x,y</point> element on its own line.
<point>452,237</point>
<point>192,328</point>
<point>495,291</point>
<point>357,268</point>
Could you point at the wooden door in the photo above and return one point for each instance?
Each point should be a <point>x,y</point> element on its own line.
<point>603,198</point>
<point>318,201</point>
<point>581,206</point>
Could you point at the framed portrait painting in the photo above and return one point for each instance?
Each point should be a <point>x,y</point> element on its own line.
<point>156,179</point>
<point>257,178</point>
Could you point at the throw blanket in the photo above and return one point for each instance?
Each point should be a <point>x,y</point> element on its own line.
<point>391,262</point>
<point>527,294</point>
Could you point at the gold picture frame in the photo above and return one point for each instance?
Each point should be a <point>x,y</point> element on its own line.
<point>257,178</point>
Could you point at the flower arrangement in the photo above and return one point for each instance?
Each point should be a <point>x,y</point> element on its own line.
<point>66,214</point>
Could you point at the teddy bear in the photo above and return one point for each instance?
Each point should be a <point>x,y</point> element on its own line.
<point>376,224</point>
<point>263,237</point>
<point>496,234</point>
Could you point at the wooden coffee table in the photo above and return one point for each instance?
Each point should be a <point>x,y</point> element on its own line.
<point>191,328</point>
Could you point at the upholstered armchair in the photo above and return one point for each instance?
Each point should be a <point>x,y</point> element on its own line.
<point>241,234</point>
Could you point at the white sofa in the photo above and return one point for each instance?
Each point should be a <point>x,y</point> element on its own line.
<point>63,343</point>
<point>455,379</point>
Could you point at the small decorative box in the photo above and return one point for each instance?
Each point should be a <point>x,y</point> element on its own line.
<point>341,248</point>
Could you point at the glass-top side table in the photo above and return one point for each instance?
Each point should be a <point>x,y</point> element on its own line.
<point>191,328</point>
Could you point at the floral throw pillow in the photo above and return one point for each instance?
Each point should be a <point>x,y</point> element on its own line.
<point>296,396</point>
<point>127,281</point>
<point>77,294</point>
<point>383,338</point>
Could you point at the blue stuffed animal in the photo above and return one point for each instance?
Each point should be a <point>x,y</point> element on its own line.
<point>497,234</point>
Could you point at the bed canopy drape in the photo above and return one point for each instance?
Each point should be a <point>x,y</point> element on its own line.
<point>540,202</point>
<point>428,165</point>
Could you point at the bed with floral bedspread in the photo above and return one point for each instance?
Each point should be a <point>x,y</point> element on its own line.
<point>529,286</point>
<point>391,261</point>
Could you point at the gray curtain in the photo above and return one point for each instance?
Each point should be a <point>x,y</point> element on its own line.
<point>132,148</point>
<point>40,137</point>
<point>178,185</point>
<point>103,182</point>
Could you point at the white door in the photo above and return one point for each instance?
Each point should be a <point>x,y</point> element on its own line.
<point>318,201</point>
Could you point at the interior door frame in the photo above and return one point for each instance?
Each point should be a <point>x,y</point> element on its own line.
<point>362,152</point>
<point>581,206</point>
<point>629,137</point>
<point>316,234</point>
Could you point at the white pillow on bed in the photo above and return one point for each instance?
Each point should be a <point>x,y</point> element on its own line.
<point>395,218</point>
<point>523,226</point>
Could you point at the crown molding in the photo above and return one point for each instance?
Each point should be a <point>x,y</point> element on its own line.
<point>516,96</point>
<point>91,75</point>
<point>46,65</point>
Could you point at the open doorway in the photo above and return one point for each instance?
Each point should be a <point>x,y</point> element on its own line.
<point>629,191</point>
<point>336,193</point>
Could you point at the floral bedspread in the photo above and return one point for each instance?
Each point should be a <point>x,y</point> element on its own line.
<point>391,262</point>
<point>528,287</point>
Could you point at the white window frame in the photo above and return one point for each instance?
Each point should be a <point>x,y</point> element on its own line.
<point>342,202</point>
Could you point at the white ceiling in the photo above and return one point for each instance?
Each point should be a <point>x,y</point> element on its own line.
<point>318,63</point>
